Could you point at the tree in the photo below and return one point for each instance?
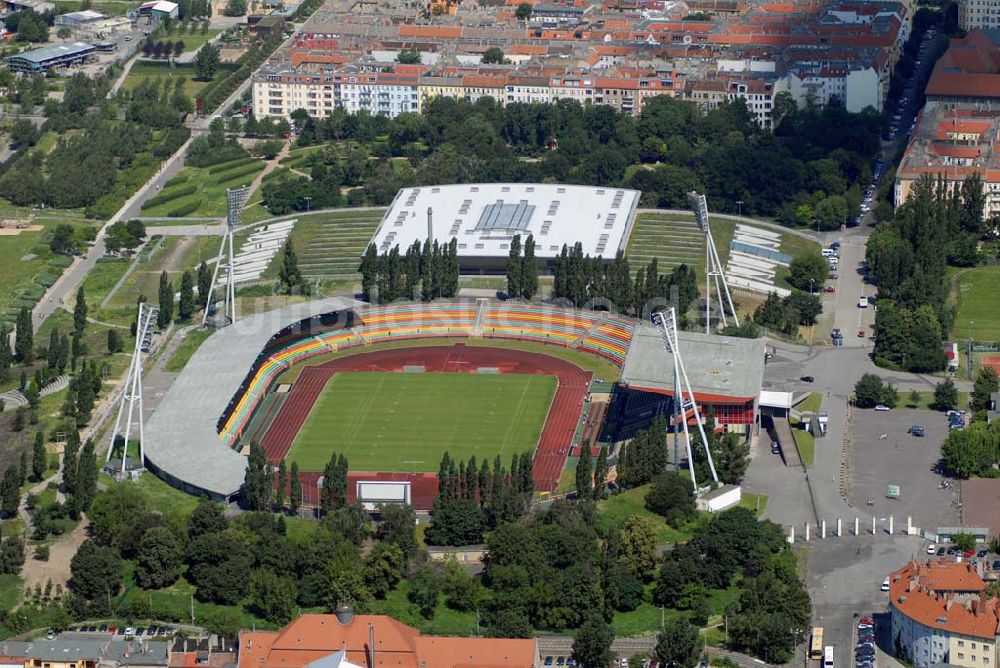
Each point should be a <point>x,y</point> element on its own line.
<point>637,547</point>
<point>10,492</point>
<point>831,212</point>
<point>868,391</point>
<point>425,589</point>
<point>456,522</point>
<point>166,298</point>
<point>493,56</point>
<point>514,268</point>
<point>964,541</point>
<point>158,559</point>
<point>671,496</point>
<point>39,458</point>
<point>678,643</point>
<point>808,271</point>
<point>23,132</point>
<point>945,395</point>
<point>529,270</point>
<point>185,306</point>
<point>114,341</point>
<point>592,642</point>
<point>384,568</point>
<point>584,472</point>
<point>986,384</point>
<point>408,57</point>
<point>257,480</point>
<point>272,596</point>
<point>398,526</point>
<point>219,566</point>
<point>80,314</point>
<point>24,341</point>
<point>206,518</point>
<point>206,63</point>
<point>289,273</point>
<point>235,8</point>
<point>204,284</point>
<point>523,13</point>
<point>96,573</point>
<point>295,493</point>
<point>601,474</point>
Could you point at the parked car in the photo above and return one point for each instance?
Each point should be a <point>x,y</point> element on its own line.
<point>932,548</point>
<point>829,288</point>
<point>885,584</point>
<point>807,379</point>
<point>916,430</point>
<point>941,551</point>
<point>882,407</point>
<point>775,448</point>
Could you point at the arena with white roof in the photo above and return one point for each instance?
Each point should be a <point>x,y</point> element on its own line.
<point>484,217</point>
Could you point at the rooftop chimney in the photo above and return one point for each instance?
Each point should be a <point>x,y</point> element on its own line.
<point>345,614</point>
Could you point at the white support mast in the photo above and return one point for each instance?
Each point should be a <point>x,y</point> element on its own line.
<point>235,199</point>
<point>132,389</point>
<point>715,275</point>
<point>684,401</point>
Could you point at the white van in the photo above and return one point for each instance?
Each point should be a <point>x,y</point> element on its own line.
<point>828,252</point>
<point>863,302</point>
<point>828,657</point>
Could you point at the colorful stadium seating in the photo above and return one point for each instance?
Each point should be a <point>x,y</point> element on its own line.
<point>592,332</point>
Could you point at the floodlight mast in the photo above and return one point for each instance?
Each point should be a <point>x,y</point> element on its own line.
<point>235,199</point>
<point>714,272</point>
<point>132,390</point>
<point>666,322</point>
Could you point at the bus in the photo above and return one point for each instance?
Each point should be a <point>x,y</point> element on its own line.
<point>816,644</point>
<point>828,657</point>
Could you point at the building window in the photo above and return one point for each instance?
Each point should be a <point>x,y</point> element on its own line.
<point>961,656</point>
<point>961,643</point>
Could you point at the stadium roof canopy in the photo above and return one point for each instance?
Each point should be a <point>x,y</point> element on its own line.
<point>484,217</point>
<point>719,368</point>
<point>181,438</point>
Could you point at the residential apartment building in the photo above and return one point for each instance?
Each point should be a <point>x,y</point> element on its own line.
<point>375,641</point>
<point>952,144</point>
<point>940,615</point>
<point>978,14</point>
<point>968,73</point>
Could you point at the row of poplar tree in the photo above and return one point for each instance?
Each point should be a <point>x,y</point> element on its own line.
<point>425,271</point>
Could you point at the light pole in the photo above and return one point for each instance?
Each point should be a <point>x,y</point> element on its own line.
<point>308,199</point>
<point>739,208</point>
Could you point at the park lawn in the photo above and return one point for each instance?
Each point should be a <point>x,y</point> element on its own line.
<point>927,398</point>
<point>444,622</point>
<point>99,283</point>
<point>11,591</point>
<point>407,421</point>
<point>977,303</point>
<point>631,503</point>
<point>192,39</point>
<point>187,348</point>
<point>172,254</point>
<point>211,189</point>
<point>805,442</point>
<point>754,502</point>
<point>145,70</point>
<point>21,259</point>
<point>647,618</point>
<point>810,404</point>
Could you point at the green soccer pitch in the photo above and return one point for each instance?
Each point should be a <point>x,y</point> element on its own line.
<point>407,421</point>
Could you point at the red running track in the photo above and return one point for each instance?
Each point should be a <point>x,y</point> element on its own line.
<point>557,433</point>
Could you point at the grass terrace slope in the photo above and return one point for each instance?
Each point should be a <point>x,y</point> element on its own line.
<point>407,421</point>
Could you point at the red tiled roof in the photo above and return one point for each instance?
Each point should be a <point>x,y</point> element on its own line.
<point>927,592</point>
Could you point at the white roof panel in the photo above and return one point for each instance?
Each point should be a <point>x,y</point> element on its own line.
<point>484,217</point>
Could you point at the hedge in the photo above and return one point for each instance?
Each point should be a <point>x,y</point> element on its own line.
<point>280,171</point>
<point>42,282</point>
<point>236,174</point>
<point>232,164</point>
<point>176,181</point>
<point>228,153</point>
<point>186,209</point>
<point>60,262</point>
<point>169,196</point>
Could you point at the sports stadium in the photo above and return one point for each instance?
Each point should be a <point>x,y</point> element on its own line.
<point>394,387</point>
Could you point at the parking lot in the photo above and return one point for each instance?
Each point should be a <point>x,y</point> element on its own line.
<point>883,453</point>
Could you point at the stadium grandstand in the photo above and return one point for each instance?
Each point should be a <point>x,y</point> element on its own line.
<point>484,217</point>
<point>230,392</point>
<point>725,373</point>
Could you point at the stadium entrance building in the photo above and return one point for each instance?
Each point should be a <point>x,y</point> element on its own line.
<point>725,373</point>
<point>483,218</point>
